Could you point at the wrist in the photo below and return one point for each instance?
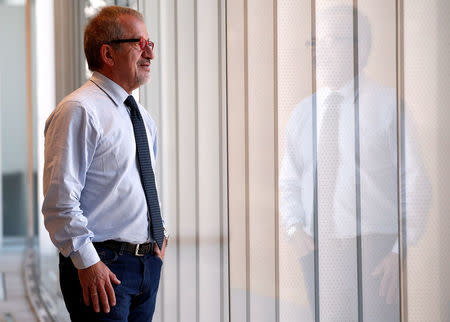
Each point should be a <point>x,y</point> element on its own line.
<point>293,230</point>
<point>166,236</point>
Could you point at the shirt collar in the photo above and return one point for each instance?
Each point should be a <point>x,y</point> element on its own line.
<point>114,91</point>
<point>347,91</point>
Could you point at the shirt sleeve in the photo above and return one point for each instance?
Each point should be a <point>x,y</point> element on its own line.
<point>290,180</point>
<point>70,142</point>
<point>416,190</point>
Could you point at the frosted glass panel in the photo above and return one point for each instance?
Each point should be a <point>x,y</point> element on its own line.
<point>14,154</point>
<point>353,164</point>
<point>427,70</point>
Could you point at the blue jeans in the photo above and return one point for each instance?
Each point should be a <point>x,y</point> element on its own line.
<point>135,296</point>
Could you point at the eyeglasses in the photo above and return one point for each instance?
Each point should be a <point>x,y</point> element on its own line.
<point>142,42</point>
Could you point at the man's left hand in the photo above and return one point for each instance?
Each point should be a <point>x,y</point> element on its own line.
<point>160,252</point>
<point>388,271</point>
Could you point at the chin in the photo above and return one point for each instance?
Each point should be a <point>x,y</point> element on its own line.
<point>143,79</point>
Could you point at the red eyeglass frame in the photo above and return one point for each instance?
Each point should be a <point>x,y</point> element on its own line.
<point>142,42</point>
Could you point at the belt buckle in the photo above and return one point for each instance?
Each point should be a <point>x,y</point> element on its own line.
<point>136,253</point>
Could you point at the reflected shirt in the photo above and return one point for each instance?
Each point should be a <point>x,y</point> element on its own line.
<point>378,165</point>
<point>92,186</point>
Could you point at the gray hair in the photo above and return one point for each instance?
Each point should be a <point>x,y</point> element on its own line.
<point>103,28</point>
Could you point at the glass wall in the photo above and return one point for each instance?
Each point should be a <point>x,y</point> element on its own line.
<point>66,58</point>
<point>336,159</point>
<point>336,162</point>
<point>426,70</point>
<point>339,170</point>
<point>16,200</point>
<point>186,98</point>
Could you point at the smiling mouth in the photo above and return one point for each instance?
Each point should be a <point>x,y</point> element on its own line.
<point>145,66</point>
<point>145,63</point>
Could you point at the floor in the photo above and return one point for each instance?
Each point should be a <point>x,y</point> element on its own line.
<point>29,287</point>
<point>14,303</point>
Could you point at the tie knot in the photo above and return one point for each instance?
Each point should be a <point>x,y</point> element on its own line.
<point>130,102</point>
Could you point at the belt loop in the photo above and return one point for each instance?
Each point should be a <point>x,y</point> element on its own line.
<point>122,246</point>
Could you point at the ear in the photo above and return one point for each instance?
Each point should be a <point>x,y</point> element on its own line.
<point>107,55</point>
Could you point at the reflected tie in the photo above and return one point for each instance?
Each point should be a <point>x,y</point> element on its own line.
<point>146,172</point>
<point>328,154</point>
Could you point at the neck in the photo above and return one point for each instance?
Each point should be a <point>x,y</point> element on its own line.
<point>116,79</point>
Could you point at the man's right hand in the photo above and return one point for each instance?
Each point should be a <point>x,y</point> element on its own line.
<point>96,284</point>
<point>302,242</point>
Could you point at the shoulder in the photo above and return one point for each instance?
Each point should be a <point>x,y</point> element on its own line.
<point>378,101</point>
<point>374,91</point>
<point>84,98</point>
<point>78,106</point>
<point>301,116</point>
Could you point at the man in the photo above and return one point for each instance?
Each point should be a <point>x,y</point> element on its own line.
<point>356,173</point>
<point>101,206</point>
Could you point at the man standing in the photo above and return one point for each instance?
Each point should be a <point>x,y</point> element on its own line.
<point>351,123</point>
<point>101,206</point>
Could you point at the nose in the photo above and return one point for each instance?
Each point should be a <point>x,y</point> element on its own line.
<point>148,53</point>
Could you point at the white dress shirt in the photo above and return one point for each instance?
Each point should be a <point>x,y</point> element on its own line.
<point>378,166</point>
<point>92,186</point>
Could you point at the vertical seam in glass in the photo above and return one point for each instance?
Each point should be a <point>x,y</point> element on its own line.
<point>79,74</point>
<point>314,145</point>
<point>220,106</point>
<point>401,214</point>
<point>29,89</point>
<point>177,146</point>
<point>142,3</point>
<point>275,122</point>
<point>225,15</point>
<point>159,68</point>
<point>247,179</point>
<point>357,160</point>
<point>220,30</point>
<point>197,197</point>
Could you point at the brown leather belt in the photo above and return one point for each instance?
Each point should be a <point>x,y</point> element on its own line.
<point>133,249</point>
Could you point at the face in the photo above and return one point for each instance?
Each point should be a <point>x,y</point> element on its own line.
<point>334,50</point>
<point>131,63</point>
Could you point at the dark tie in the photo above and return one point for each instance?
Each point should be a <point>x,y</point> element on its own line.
<point>328,162</point>
<point>146,171</point>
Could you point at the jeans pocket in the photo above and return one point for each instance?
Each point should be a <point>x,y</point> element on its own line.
<point>159,259</point>
<point>107,256</point>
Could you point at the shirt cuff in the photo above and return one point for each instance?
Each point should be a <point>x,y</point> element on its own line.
<point>84,257</point>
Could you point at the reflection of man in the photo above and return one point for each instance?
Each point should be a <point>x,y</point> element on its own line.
<point>101,206</point>
<point>339,196</point>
